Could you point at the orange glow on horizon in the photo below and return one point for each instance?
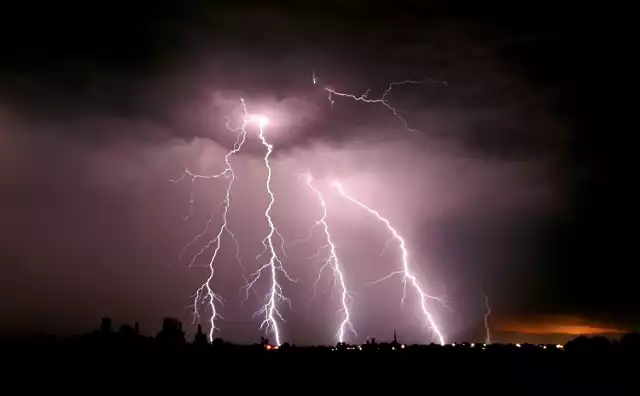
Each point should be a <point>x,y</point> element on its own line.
<point>569,325</point>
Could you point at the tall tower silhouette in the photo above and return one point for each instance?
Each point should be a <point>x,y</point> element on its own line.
<point>395,344</point>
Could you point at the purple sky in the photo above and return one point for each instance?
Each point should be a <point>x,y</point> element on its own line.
<point>112,243</point>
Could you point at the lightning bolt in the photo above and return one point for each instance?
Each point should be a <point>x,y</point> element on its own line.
<point>205,295</point>
<point>333,262</point>
<point>382,99</point>
<point>274,265</point>
<point>486,320</point>
<point>406,270</point>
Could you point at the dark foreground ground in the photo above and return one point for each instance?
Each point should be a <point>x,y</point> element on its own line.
<point>135,365</point>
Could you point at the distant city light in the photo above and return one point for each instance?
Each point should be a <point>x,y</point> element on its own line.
<point>394,346</point>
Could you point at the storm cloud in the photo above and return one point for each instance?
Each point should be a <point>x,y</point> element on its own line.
<point>93,225</point>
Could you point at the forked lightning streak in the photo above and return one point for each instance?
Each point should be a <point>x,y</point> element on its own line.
<point>334,263</point>
<point>205,294</point>
<point>406,270</point>
<point>274,265</point>
<point>382,99</point>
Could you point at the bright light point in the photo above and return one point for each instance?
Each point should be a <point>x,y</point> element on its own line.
<point>402,346</point>
<point>559,346</point>
<point>259,119</point>
<point>473,345</point>
<point>518,345</point>
<point>453,344</point>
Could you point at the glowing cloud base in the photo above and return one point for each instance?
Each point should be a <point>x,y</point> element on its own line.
<point>273,269</point>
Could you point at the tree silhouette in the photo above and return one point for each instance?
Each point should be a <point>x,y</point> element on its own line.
<point>631,342</point>
<point>127,331</point>
<point>583,344</point>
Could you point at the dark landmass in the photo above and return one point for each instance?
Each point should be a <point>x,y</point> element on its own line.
<point>125,360</point>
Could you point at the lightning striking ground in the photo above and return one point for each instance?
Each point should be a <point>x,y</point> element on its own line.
<point>487,329</point>
<point>333,262</point>
<point>406,270</point>
<point>274,265</point>
<point>382,99</point>
<point>273,269</point>
<point>205,294</point>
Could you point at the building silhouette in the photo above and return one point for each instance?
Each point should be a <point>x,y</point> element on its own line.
<point>200,339</point>
<point>105,325</point>
<point>171,332</point>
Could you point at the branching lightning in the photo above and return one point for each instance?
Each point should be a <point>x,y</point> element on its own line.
<point>274,265</point>
<point>406,270</point>
<point>332,262</point>
<point>273,269</point>
<point>205,293</point>
<point>382,99</point>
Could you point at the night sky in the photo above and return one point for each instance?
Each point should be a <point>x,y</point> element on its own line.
<point>518,182</point>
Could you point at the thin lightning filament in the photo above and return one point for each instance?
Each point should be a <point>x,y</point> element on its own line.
<point>406,270</point>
